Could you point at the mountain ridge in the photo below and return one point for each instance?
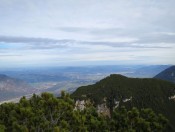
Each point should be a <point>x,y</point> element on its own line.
<point>12,87</point>
<point>145,92</point>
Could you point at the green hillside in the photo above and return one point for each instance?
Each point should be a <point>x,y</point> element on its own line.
<point>145,93</point>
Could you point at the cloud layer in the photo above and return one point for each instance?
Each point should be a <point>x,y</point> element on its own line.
<point>57,32</point>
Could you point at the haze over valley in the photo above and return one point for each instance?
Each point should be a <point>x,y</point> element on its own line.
<point>69,78</point>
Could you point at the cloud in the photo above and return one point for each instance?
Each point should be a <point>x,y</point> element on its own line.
<point>165,33</point>
<point>24,43</point>
<point>10,55</point>
<point>9,39</point>
<point>60,31</point>
<point>74,29</point>
<point>32,43</point>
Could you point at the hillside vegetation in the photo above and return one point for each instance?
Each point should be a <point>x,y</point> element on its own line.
<point>47,113</point>
<point>145,93</point>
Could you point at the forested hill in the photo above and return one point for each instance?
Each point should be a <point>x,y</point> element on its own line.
<point>168,74</point>
<point>144,93</point>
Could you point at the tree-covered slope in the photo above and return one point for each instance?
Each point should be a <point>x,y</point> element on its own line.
<point>145,93</point>
<point>47,113</point>
<point>168,74</point>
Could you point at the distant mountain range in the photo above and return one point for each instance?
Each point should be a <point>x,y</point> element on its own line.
<point>11,87</point>
<point>147,71</point>
<point>69,78</point>
<point>142,93</point>
<point>168,74</point>
<point>74,73</point>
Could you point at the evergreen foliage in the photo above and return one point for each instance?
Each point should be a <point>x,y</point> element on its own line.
<point>145,93</point>
<point>47,113</point>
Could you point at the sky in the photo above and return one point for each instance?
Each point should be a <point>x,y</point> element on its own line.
<point>35,33</point>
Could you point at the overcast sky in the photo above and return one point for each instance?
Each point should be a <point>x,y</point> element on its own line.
<point>86,32</point>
